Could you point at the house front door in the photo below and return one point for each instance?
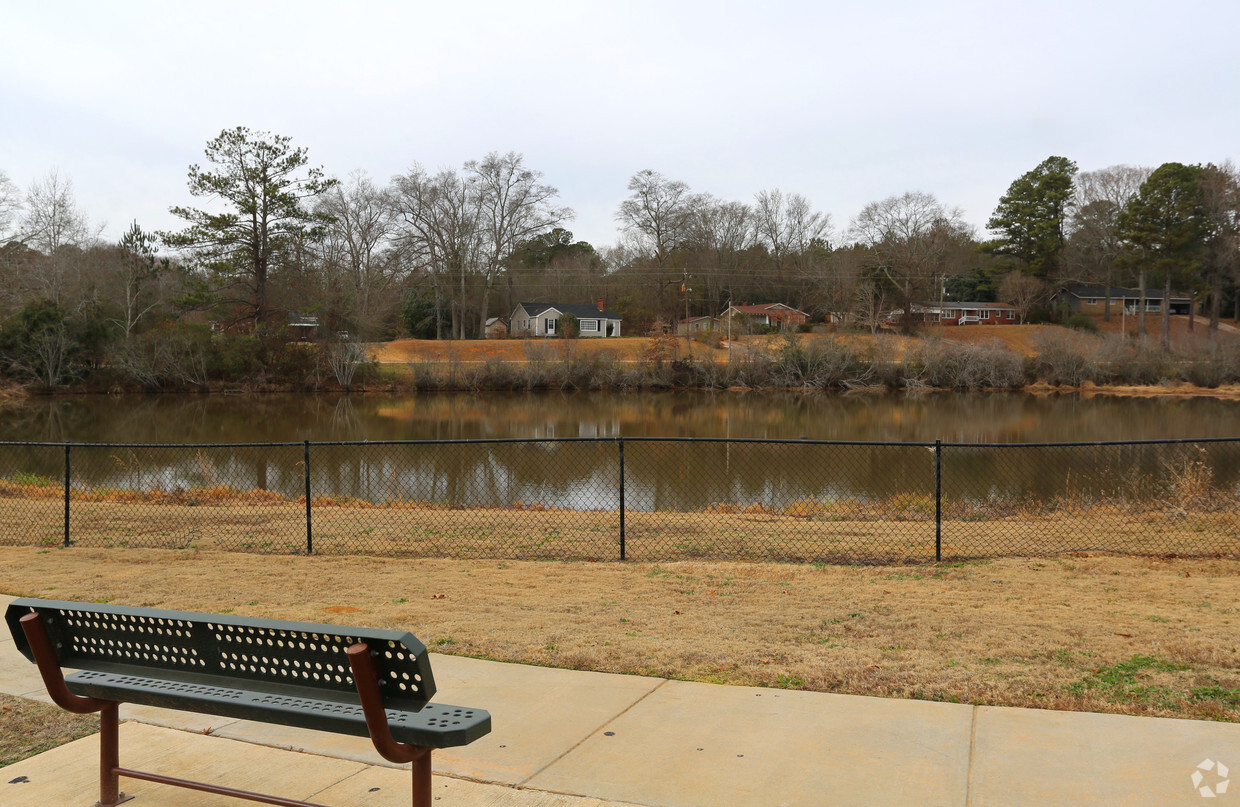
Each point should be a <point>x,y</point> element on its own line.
<point>550,326</point>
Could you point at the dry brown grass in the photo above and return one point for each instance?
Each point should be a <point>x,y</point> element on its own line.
<point>899,530</point>
<point>30,727</point>
<point>625,348</point>
<point>1127,635</point>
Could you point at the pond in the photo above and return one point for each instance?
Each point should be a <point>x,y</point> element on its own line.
<point>966,418</point>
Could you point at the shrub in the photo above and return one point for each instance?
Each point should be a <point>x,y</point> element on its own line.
<point>987,365</point>
<point>1081,322</point>
<point>1064,359</point>
<point>711,338</point>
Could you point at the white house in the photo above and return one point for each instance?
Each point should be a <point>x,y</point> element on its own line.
<point>542,319</point>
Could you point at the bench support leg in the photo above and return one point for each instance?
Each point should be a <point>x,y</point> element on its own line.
<point>110,793</point>
<point>422,780</point>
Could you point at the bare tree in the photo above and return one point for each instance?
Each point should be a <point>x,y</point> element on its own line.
<point>55,226</point>
<point>53,219</point>
<point>658,214</point>
<point>358,248</point>
<point>788,225</point>
<point>513,206</point>
<point>1094,245</point>
<point>658,221</point>
<point>1022,290</point>
<point>439,229</point>
<point>10,208</point>
<point>345,356</point>
<point>910,238</point>
<point>721,232</point>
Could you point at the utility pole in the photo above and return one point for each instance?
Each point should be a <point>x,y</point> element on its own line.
<point>684,289</point>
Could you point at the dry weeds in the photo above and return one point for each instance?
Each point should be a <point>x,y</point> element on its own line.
<point>1128,635</point>
<point>31,727</point>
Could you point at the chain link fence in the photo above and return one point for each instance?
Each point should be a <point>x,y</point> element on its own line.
<point>648,499</point>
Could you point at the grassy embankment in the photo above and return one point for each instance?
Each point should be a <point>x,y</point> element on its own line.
<point>978,357</point>
<point>1140,636</point>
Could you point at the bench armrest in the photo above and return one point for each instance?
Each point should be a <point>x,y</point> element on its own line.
<point>367,683</point>
<point>49,668</point>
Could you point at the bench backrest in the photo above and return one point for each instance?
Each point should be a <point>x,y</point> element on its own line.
<point>185,646</point>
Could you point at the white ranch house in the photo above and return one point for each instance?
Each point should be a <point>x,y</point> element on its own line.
<point>542,319</point>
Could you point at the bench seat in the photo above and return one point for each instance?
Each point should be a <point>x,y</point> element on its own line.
<point>435,725</point>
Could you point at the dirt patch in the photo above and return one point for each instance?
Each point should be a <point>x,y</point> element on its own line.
<point>1112,634</point>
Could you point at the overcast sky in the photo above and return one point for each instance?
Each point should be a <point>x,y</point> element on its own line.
<point>843,102</point>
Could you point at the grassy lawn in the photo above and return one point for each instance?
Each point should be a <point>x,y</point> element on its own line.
<point>1142,636</point>
<point>30,727</point>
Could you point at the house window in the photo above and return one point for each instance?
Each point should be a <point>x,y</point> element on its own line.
<point>985,315</point>
<point>1092,301</point>
<point>589,325</point>
<point>1011,315</point>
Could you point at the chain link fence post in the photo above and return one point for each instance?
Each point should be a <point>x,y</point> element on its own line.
<point>938,501</point>
<point>306,465</point>
<point>620,442</point>
<point>67,481</point>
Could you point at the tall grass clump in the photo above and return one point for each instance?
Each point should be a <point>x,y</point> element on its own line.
<point>1066,359</point>
<point>822,364</point>
<point>1210,368</point>
<point>986,365</point>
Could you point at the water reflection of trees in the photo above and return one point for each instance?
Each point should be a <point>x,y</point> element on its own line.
<point>969,418</point>
<point>662,476</point>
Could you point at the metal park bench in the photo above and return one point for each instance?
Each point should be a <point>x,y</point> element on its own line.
<point>346,680</point>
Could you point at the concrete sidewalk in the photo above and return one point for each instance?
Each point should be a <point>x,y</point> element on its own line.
<point>563,738</point>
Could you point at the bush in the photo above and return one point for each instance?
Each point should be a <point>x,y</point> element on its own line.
<point>711,338</point>
<point>1081,322</point>
<point>1126,362</point>
<point>1210,369</point>
<point>988,365</point>
<point>1064,359</point>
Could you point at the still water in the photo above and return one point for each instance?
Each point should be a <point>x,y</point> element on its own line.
<point>969,418</point>
<point>660,476</point>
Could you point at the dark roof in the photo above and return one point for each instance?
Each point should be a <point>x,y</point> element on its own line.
<point>1116,291</point>
<point>578,310</point>
<point>763,308</point>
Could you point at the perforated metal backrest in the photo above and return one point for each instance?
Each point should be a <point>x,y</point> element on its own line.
<point>89,636</point>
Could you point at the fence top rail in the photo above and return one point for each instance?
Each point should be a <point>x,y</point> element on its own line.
<point>527,440</point>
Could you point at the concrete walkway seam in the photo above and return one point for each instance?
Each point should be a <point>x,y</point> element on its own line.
<point>968,780</point>
<point>601,726</point>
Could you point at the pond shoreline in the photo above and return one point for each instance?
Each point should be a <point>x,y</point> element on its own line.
<point>1087,390</point>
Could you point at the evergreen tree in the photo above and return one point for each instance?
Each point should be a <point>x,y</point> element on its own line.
<point>263,180</point>
<point>1164,227</point>
<point>1030,217</point>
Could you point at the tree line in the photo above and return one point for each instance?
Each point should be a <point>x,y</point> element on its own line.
<point>435,254</point>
